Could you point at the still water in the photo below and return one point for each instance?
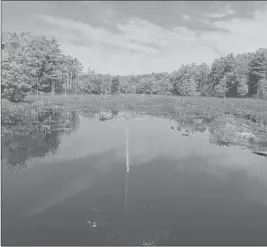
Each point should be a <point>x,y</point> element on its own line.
<point>73,188</point>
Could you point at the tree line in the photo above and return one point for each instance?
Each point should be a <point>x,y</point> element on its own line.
<point>34,64</point>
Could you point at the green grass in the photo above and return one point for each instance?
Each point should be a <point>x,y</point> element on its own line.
<point>255,111</point>
<point>149,103</point>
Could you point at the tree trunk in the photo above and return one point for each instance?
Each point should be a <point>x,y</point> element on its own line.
<point>258,90</point>
<point>53,87</point>
<point>224,92</point>
<point>37,86</point>
<point>105,87</point>
<point>67,82</point>
<point>71,80</point>
<point>62,82</point>
<point>78,84</point>
<point>65,86</point>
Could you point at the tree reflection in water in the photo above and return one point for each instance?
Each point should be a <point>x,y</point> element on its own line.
<point>18,147</point>
<point>221,133</point>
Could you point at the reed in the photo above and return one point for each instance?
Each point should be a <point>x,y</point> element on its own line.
<point>126,194</point>
<point>127,167</point>
<point>127,149</point>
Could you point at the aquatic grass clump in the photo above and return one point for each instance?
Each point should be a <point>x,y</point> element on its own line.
<point>237,132</point>
<point>103,116</point>
<point>32,117</point>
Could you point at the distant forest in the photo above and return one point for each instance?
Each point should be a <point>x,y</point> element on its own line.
<point>32,64</point>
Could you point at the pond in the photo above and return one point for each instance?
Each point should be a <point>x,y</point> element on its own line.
<point>182,188</point>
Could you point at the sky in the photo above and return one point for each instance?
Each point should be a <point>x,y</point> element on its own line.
<point>137,37</point>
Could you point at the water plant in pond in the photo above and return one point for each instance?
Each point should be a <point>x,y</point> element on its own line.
<point>226,132</point>
<point>147,242</point>
<point>35,117</point>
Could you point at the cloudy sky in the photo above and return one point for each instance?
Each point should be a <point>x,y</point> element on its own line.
<point>140,36</point>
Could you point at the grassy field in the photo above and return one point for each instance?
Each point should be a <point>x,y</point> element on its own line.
<point>256,110</point>
<point>217,103</point>
<point>251,109</point>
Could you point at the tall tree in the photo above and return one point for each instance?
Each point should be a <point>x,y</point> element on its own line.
<point>242,87</point>
<point>257,72</point>
<point>221,89</point>
<point>184,80</point>
<point>16,76</point>
<point>115,85</point>
<point>201,78</point>
<point>222,68</point>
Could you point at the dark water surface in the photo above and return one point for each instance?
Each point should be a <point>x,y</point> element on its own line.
<point>73,189</point>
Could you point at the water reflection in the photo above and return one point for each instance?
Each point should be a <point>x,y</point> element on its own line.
<point>175,193</point>
<point>220,133</point>
<point>18,147</point>
<point>192,125</point>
